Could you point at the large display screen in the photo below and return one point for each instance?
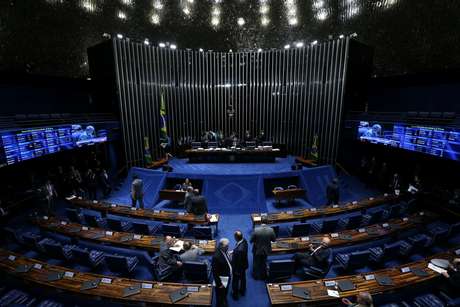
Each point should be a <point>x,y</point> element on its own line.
<point>26,144</point>
<point>437,141</point>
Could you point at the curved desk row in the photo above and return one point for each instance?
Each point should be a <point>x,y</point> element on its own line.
<point>132,212</point>
<point>123,239</point>
<point>329,291</point>
<point>353,236</point>
<point>99,286</point>
<point>304,214</point>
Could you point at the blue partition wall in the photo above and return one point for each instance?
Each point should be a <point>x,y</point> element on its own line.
<point>316,180</point>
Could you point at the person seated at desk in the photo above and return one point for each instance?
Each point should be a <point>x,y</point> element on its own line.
<point>186,184</point>
<point>363,299</point>
<point>199,205</point>
<point>188,199</point>
<point>333,192</point>
<point>191,252</point>
<point>167,243</point>
<point>168,263</point>
<point>453,276</point>
<point>316,257</point>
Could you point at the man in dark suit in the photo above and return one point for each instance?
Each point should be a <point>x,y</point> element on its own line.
<point>168,263</point>
<point>199,205</point>
<point>188,199</point>
<point>261,240</point>
<point>333,192</point>
<point>221,271</point>
<point>317,256</point>
<point>239,265</point>
<point>137,191</point>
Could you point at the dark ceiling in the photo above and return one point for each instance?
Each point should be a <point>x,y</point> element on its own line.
<point>51,36</point>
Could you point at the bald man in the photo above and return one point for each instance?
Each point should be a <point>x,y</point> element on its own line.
<point>239,265</point>
<point>317,256</point>
<point>221,268</point>
<point>363,299</point>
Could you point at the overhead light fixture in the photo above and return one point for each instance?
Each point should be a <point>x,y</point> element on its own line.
<point>158,5</point>
<point>264,8</point>
<point>293,21</point>
<point>173,46</point>
<point>354,35</point>
<point>186,10</point>
<point>259,50</point>
<point>201,50</point>
<point>121,15</point>
<point>161,45</point>
<point>120,36</point>
<point>299,44</point>
<point>264,21</point>
<point>241,21</point>
<point>146,42</point>
<point>315,42</point>
<point>287,46</point>
<point>155,19</point>
<point>341,36</point>
<point>215,21</point>
<point>215,11</point>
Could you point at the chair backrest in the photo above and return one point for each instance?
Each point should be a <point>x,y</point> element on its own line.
<point>54,249</point>
<point>203,232</point>
<point>114,224</point>
<point>73,215</point>
<point>141,228</point>
<point>391,250</point>
<point>354,221</point>
<point>280,269</point>
<point>177,186</point>
<point>358,259</point>
<point>212,144</point>
<point>196,145</point>
<point>116,263</point>
<point>171,230</point>
<point>12,235</point>
<point>299,230</point>
<point>376,217</point>
<point>329,225</point>
<point>82,255</point>
<point>455,228</point>
<point>91,220</point>
<point>31,239</point>
<point>394,211</point>
<point>196,271</point>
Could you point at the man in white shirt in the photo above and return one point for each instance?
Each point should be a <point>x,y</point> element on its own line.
<point>222,271</point>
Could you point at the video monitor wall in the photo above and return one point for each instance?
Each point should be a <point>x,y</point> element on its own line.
<point>437,141</point>
<point>25,144</point>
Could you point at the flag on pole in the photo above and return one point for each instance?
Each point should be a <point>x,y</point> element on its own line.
<point>164,138</point>
<point>147,153</point>
<point>314,147</point>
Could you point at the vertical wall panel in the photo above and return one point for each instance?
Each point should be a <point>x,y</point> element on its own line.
<point>292,95</point>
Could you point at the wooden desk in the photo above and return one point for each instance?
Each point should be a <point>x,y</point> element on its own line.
<point>353,236</point>
<point>148,214</point>
<point>305,214</point>
<point>158,294</point>
<point>174,195</point>
<point>288,194</point>
<point>318,291</point>
<point>233,155</point>
<point>144,242</point>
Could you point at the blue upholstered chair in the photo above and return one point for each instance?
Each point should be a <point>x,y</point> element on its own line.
<point>74,215</point>
<point>196,271</point>
<point>174,230</point>
<point>373,218</point>
<point>57,250</point>
<point>326,226</point>
<point>299,230</point>
<point>121,264</point>
<point>143,228</point>
<point>351,222</point>
<point>203,232</point>
<point>94,221</point>
<point>280,269</point>
<point>118,225</point>
<point>86,257</point>
<point>353,261</point>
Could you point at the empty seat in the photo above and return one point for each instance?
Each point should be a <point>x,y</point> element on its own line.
<point>438,231</point>
<point>428,300</point>
<point>326,227</point>
<point>203,232</point>
<point>89,258</point>
<point>118,225</point>
<point>420,241</point>
<point>353,260</point>
<point>387,252</point>
<point>13,235</point>
<point>352,222</point>
<point>58,251</point>
<point>121,264</point>
<point>74,215</point>
<point>16,297</point>
<point>454,228</point>
<point>299,230</point>
<point>280,269</point>
<point>94,221</point>
<point>393,212</point>
<point>142,228</point>
<point>34,240</point>
<point>196,271</point>
<point>174,230</point>
<point>373,218</point>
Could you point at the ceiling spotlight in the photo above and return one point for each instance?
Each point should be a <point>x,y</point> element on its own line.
<point>299,44</point>
<point>190,1</point>
<point>173,47</point>
<point>264,21</point>
<point>318,4</point>
<point>127,2</point>
<point>120,36</point>
<point>161,45</point>
<point>121,15</point>
<point>314,43</point>
<point>259,50</point>
<point>215,21</point>
<point>215,11</point>
<point>106,35</point>
<point>321,15</point>
<point>241,21</point>
<point>354,35</point>
<point>264,9</point>
<point>293,21</point>
<point>155,19</point>
<point>186,10</point>
<point>158,5</point>
<point>146,42</point>
<point>287,46</point>
<point>201,50</point>
<point>341,36</point>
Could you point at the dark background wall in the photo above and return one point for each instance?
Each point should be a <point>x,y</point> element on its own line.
<point>290,94</point>
<point>51,36</point>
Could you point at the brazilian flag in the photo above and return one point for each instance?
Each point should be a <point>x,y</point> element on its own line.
<point>147,153</point>
<point>164,138</point>
<point>314,147</point>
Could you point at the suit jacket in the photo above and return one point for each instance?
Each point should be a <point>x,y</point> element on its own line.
<point>219,267</point>
<point>320,258</point>
<point>332,191</point>
<point>199,205</point>
<point>261,239</point>
<point>240,257</point>
<point>188,202</point>
<point>137,188</point>
<point>167,262</point>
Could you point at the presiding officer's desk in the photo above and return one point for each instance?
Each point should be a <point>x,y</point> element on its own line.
<point>174,195</point>
<point>148,214</point>
<point>116,238</point>
<point>258,154</point>
<point>365,282</point>
<point>110,288</point>
<point>305,214</point>
<point>354,236</point>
